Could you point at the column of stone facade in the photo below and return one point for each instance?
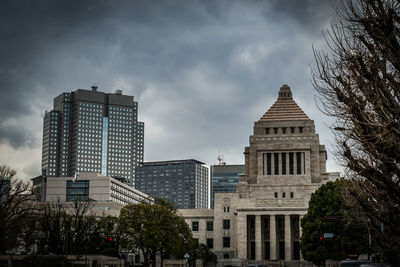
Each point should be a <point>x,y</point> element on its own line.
<point>242,236</point>
<point>301,163</point>
<point>279,163</point>
<point>272,164</point>
<point>258,238</point>
<point>294,163</point>
<point>264,156</point>
<point>260,164</point>
<point>287,164</point>
<point>288,239</point>
<point>308,162</point>
<point>272,236</point>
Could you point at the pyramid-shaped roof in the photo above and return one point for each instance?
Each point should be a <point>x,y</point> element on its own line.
<point>284,109</point>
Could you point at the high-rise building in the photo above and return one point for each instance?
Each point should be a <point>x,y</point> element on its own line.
<point>91,131</point>
<point>224,179</point>
<point>183,182</point>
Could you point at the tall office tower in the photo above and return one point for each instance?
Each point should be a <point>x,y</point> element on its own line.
<point>184,182</point>
<point>224,179</point>
<point>91,131</point>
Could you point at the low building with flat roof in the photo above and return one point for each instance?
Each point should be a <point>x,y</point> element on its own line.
<point>87,186</point>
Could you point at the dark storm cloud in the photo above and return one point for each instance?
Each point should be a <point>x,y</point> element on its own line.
<point>309,13</point>
<point>202,71</point>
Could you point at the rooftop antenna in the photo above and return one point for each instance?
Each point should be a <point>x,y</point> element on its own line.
<point>94,87</point>
<point>221,158</point>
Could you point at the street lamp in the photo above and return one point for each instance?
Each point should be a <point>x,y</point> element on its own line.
<point>186,259</point>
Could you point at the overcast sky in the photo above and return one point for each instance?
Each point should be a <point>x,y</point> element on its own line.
<point>202,71</point>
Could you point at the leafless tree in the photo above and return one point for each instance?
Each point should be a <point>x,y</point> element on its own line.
<point>358,83</point>
<point>16,208</point>
<point>84,225</point>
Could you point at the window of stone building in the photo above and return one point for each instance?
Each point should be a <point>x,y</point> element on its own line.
<point>283,163</point>
<point>195,226</point>
<point>226,242</point>
<point>280,229</point>
<point>292,130</point>
<point>276,163</point>
<point>283,130</point>
<point>276,194</point>
<point>275,130</point>
<point>298,162</point>
<point>281,250</point>
<point>227,224</point>
<point>291,163</point>
<point>267,254</point>
<point>283,194</point>
<point>210,243</point>
<point>210,226</point>
<point>226,256</point>
<point>252,250</point>
<point>301,129</point>
<point>291,194</point>
<point>266,130</point>
<point>226,209</point>
<point>268,163</point>
<point>265,226</point>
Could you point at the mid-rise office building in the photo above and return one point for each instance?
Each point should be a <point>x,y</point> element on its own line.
<point>184,182</point>
<point>224,179</point>
<point>91,131</point>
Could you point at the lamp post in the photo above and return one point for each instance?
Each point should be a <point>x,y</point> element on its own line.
<point>186,259</point>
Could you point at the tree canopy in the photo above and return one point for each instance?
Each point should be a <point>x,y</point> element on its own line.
<point>348,238</point>
<point>358,82</point>
<point>155,228</point>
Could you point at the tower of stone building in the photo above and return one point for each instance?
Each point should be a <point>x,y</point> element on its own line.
<point>284,147</point>
<point>284,165</point>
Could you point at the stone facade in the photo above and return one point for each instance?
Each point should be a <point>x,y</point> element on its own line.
<point>284,165</point>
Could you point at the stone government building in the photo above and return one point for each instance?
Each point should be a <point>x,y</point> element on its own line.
<point>284,165</point>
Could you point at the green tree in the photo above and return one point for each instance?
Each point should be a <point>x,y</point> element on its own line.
<point>358,83</point>
<point>154,228</point>
<point>202,252</point>
<point>349,237</point>
<point>110,235</point>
